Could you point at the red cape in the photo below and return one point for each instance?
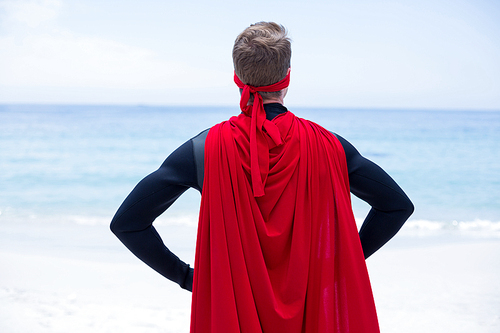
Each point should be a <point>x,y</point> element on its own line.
<point>290,260</point>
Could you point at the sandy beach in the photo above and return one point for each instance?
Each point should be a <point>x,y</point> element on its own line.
<point>81,279</point>
<point>449,287</point>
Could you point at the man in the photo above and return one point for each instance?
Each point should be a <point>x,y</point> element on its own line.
<point>277,247</point>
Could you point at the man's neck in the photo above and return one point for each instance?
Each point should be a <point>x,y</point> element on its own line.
<point>273,100</point>
<point>276,98</point>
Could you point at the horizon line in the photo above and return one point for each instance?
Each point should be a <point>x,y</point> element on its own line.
<point>173,105</point>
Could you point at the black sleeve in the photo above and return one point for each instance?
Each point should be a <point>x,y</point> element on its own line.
<point>133,222</point>
<point>390,205</point>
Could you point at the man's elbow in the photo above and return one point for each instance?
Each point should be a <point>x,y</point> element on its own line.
<point>112,227</point>
<point>403,211</point>
<point>408,208</point>
<point>115,226</point>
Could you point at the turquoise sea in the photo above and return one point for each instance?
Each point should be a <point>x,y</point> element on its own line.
<point>74,164</point>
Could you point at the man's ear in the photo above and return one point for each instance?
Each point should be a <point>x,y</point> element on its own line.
<point>283,92</point>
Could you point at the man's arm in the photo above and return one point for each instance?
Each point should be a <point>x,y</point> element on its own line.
<point>391,207</point>
<point>133,222</point>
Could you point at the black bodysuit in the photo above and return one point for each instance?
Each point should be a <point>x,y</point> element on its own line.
<point>133,222</point>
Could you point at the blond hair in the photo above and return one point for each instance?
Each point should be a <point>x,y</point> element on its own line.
<point>261,54</point>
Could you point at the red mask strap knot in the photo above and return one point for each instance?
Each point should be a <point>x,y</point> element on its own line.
<point>258,114</point>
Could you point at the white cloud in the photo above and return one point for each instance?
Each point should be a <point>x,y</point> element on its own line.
<point>63,59</point>
<point>49,56</point>
<point>32,12</point>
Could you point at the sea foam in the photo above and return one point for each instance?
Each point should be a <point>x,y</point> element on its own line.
<point>476,228</point>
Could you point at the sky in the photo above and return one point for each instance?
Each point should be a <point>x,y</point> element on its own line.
<point>426,54</point>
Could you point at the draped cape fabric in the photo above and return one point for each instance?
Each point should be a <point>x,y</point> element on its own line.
<point>288,259</point>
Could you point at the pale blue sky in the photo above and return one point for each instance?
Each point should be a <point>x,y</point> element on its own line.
<point>435,54</point>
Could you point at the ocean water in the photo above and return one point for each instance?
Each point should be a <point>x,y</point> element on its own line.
<point>75,164</point>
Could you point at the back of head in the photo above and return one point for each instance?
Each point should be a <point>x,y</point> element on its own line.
<point>261,54</point>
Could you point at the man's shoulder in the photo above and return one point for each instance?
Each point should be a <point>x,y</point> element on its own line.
<point>321,128</point>
<point>200,137</point>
